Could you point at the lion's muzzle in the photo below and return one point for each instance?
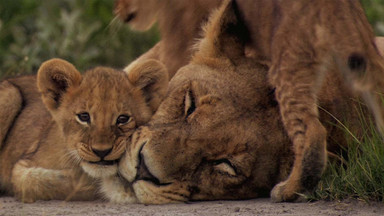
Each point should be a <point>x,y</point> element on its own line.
<point>143,172</point>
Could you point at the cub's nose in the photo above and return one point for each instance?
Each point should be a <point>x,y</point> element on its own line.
<point>102,153</point>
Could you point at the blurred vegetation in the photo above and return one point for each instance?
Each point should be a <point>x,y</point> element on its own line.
<point>82,32</point>
<point>359,174</point>
<point>375,13</point>
<point>32,31</point>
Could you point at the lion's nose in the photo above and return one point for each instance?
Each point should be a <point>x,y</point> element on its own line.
<point>102,153</point>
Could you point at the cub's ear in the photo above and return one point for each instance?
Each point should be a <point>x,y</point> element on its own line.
<point>54,78</point>
<point>150,77</point>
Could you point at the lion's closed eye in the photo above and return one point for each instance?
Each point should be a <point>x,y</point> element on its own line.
<point>189,104</point>
<point>224,166</point>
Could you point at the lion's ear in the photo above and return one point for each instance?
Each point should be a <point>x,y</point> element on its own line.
<point>150,77</point>
<point>225,34</point>
<point>54,78</point>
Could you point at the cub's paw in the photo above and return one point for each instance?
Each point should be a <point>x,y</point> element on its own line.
<point>283,192</point>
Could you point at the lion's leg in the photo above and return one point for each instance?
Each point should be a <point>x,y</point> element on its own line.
<point>35,183</point>
<point>10,104</point>
<point>296,95</point>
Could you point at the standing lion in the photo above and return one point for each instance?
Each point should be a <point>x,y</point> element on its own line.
<point>179,23</point>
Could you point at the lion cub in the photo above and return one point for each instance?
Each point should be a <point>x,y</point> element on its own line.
<point>60,134</point>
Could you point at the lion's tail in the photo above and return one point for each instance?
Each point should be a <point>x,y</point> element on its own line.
<point>11,102</point>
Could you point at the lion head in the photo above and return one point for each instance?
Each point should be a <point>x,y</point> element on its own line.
<point>209,138</point>
<point>97,112</point>
<point>142,14</point>
<point>218,133</point>
<point>139,14</point>
<point>179,24</point>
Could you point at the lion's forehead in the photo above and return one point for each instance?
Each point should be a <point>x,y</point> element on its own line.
<point>230,96</point>
<point>102,90</point>
<point>101,99</point>
<point>204,77</point>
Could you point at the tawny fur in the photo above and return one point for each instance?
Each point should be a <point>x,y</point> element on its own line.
<point>47,151</point>
<point>219,133</point>
<point>179,24</point>
<point>301,42</point>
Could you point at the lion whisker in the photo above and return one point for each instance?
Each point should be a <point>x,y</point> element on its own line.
<point>114,25</point>
<point>70,157</point>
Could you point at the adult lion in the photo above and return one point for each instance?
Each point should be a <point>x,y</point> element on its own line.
<point>218,134</point>
<point>61,130</point>
<point>179,24</point>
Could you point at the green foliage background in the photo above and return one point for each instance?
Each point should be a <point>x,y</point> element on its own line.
<point>375,13</point>
<point>80,31</point>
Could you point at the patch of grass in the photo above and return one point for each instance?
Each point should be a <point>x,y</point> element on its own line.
<point>359,174</point>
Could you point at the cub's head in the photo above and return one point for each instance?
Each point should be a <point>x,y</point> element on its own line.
<point>217,134</point>
<point>98,112</point>
<point>139,14</point>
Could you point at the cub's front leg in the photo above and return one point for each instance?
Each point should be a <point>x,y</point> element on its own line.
<point>296,88</point>
<point>32,183</point>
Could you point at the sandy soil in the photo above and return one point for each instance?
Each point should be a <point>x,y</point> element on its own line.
<point>9,206</point>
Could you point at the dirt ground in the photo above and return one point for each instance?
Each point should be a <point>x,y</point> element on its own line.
<point>9,206</point>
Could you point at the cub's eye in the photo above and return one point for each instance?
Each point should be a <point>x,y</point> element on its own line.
<point>123,119</point>
<point>83,118</point>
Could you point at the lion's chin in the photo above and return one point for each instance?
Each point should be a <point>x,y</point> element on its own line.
<point>99,171</point>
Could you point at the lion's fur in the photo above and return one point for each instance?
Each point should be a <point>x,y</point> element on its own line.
<point>47,151</point>
<point>301,42</point>
<point>219,133</point>
<point>179,23</point>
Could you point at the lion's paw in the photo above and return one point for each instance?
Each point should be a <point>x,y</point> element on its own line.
<point>283,193</point>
